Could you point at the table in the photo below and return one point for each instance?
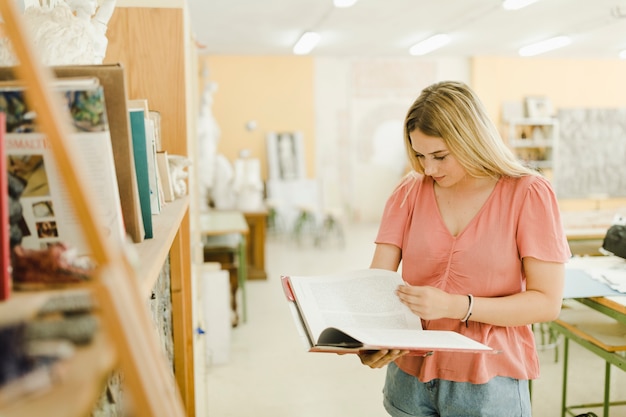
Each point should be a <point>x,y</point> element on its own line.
<point>585,229</point>
<point>585,240</point>
<point>599,330</point>
<point>229,229</point>
<point>257,224</point>
<point>222,222</point>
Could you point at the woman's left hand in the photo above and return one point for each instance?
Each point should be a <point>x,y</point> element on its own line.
<point>430,303</point>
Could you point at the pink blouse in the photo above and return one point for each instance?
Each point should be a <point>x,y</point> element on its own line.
<point>520,218</point>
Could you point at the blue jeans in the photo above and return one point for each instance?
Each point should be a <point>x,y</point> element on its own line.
<point>406,396</point>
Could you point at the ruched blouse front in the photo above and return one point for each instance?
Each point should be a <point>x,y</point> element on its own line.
<point>519,219</point>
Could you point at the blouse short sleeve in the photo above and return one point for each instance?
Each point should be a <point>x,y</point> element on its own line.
<point>540,231</point>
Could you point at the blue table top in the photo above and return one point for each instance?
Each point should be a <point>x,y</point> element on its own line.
<point>580,284</point>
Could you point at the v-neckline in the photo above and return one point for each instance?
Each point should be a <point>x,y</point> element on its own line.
<point>472,220</point>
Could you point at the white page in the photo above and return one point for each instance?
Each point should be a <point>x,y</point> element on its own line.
<point>353,299</point>
<point>429,339</point>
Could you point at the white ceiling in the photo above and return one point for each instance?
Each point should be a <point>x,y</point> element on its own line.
<point>390,27</point>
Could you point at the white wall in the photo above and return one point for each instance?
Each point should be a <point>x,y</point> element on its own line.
<point>360,106</point>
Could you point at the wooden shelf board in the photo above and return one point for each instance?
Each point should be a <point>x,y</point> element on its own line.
<point>24,305</point>
<point>84,378</point>
<point>153,252</point>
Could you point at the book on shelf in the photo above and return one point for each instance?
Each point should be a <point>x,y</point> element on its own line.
<point>40,379</point>
<point>165,176</point>
<point>155,122</point>
<point>113,80</point>
<point>142,172</point>
<point>47,213</point>
<point>23,370</point>
<point>155,191</point>
<point>151,149</point>
<point>5,271</point>
<point>358,310</point>
<point>39,338</point>
<point>155,116</point>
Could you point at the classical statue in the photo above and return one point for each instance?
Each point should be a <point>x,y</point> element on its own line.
<point>65,32</point>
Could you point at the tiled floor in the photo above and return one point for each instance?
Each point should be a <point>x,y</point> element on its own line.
<point>269,373</point>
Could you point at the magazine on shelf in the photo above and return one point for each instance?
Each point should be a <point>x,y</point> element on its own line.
<point>112,79</point>
<point>358,310</point>
<point>5,205</point>
<point>48,216</point>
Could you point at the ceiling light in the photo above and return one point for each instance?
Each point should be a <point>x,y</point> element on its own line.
<point>306,43</point>
<point>516,4</point>
<point>430,44</point>
<point>622,54</point>
<point>545,46</point>
<point>344,3</point>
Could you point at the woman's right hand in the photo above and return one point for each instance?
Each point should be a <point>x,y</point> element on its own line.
<point>380,358</point>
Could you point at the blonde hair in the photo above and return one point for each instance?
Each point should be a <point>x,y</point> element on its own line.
<point>452,111</point>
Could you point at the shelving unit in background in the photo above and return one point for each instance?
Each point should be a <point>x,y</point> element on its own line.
<point>534,141</point>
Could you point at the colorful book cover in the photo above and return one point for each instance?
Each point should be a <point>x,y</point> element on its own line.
<point>138,131</point>
<point>47,213</point>
<point>5,271</point>
<point>112,78</point>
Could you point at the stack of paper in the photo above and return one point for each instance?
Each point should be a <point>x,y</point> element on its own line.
<point>614,277</point>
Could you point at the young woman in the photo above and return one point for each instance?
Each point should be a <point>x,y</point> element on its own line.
<point>482,250</point>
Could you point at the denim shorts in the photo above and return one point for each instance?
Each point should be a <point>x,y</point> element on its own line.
<point>406,396</point>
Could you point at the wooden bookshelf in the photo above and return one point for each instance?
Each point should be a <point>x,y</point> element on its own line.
<point>127,341</point>
<point>153,41</point>
<point>84,377</point>
<point>85,373</point>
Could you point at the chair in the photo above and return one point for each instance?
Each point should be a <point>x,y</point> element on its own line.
<point>230,251</point>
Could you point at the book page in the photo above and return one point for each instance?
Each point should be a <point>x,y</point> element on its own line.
<point>425,340</point>
<point>356,299</point>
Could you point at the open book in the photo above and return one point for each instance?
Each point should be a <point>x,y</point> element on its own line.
<point>359,310</point>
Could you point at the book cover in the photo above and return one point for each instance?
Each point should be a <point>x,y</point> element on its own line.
<point>47,214</point>
<point>151,149</point>
<point>140,152</point>
<point>155,116</point>
<point>113,81</point>
<point>155,195</point>
<point>5,271</point>
<point>165,176</point>
<point>359,310</point>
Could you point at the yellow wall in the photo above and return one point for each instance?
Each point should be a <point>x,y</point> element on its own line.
<point>277,92</point>
<point>567,82</point>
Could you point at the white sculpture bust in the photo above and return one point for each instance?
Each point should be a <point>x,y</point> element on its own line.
<point>65,32</point>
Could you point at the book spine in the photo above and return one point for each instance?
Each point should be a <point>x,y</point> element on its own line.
<point>5,251</point>
<point>155,198</point>
<point>138,130</point>
<point>165,176</point>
